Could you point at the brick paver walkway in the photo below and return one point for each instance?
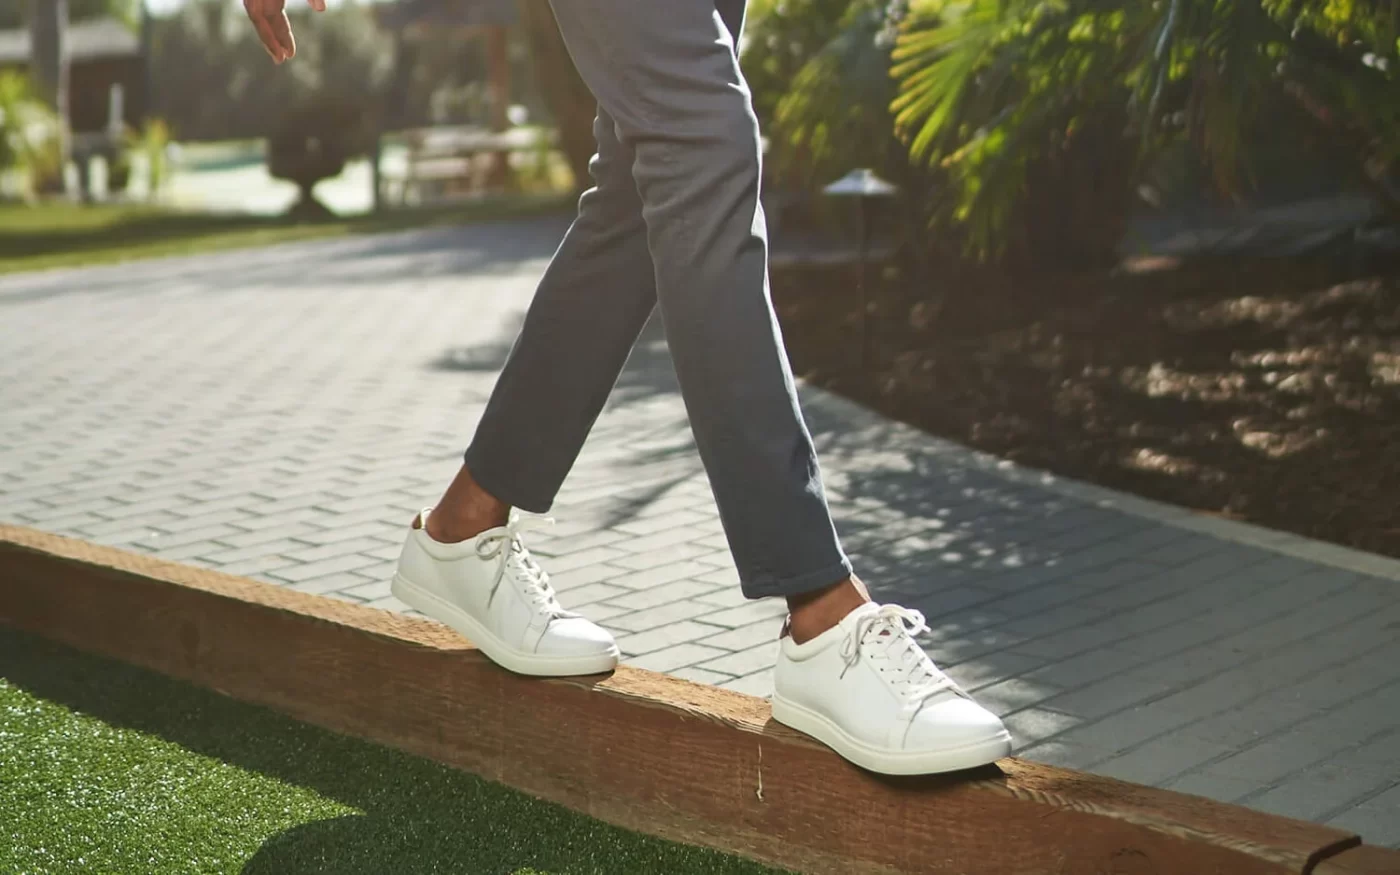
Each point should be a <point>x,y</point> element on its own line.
<point>281,414</point>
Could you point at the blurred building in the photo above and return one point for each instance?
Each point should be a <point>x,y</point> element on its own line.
<point>102,53</point>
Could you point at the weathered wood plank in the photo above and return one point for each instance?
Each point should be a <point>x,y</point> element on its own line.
<point>646,751</point>
<point>1366,860</point>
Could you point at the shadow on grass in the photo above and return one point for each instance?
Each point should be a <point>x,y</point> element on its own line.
<point>419,817</point>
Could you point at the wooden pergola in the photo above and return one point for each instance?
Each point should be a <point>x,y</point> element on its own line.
<point>486,20</point>
<point>489,20</point>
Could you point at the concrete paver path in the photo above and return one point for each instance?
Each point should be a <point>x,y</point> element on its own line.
<point>282,413</point>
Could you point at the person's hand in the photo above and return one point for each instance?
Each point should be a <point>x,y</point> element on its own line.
<point>275,31</point>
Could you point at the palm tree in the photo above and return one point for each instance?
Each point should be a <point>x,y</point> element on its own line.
<point>48,34</point>
<point>995,93</point>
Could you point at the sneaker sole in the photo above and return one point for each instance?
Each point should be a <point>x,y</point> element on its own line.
<point>885,761</point>
<point>495,649</point>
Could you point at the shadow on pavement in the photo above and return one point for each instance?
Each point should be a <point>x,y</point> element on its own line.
<point>356,260</point>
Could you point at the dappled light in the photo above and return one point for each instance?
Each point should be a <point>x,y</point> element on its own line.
<point>1264,391</point>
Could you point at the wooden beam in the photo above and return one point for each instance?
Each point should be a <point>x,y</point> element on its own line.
<point>1366,860</point>
<point>681,760</point>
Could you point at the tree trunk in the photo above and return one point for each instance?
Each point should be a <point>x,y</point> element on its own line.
<point>569,100</point>
<point>48,34</point>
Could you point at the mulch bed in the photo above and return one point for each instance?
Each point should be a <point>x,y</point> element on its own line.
<point>1266,391</point>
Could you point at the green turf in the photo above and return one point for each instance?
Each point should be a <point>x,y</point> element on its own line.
<point>72,235</point>
<point>109,769</point>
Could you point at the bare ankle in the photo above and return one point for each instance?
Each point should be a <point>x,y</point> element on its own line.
<point>811,614</point>
<point>465,511</point>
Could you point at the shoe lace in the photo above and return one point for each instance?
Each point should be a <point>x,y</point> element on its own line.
<point>886,638</point>
<point>516,564</point>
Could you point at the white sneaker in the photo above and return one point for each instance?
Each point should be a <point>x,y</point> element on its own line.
<point>866,689</point>
<point>490,590</point>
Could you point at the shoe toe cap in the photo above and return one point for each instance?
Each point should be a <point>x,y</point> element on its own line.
<point>953,723</point>
<point>576,636</point>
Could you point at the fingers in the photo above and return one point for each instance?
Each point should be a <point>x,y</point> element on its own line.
<point>318,5</point>
<point>282,29</point>
<point>274,30</point>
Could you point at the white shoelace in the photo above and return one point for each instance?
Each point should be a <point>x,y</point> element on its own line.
<point>530,579</point>
<point>886,637</point>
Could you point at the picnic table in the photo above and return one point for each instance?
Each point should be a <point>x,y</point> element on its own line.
<point>444,162</point>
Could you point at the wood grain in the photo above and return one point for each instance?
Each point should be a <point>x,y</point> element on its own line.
<point>646,751</point>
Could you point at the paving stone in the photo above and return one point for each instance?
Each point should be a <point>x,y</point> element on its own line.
<point>202,520</point>
<point>1062,754</point>
<point>567,581</point>
<point>226,555</point>
<point>388,603</point>
<point>1086,668</point>
<point>369,590</point>
<point>662,540</point>
<point>1106,696</point>
<point>669,635</point>
<point>1179,638</point>
<point>760,685</point>
<point>257,566</point>
<point>653,522</point>
<point>1317,792</point>
<point>259,537</point>
<point>579,596</point>
<point>306,553</point>
<point>340,535</point>
<point>751,611</point>
<point>1376,825</point>
<point>601,612</point>
<point>1129,728</point>
<point>1036,724</point>
<point>182,552</point>
<point>664,574</point>
<point>727,597</point>
<point>582,559</point>
<point>67,521</point>
<point>1158,760</point>
<point>721,559</point>
<point>991,668</point>
<point>744,662</point>
<point>678,656</point>
<point>660,595</point>
<point>575,543</point>
<point>727,576</point>
<point>1212,786</point>
<point>632,620</point>
<point>307,570</point>
<point>1013,694</point>
<point>702,676</point>
<point>150,523</point>
<point>745,637</point>
<point>658,558</point>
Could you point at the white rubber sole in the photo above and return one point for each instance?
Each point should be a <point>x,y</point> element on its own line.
<point>884,761</point>
<point>518,661</point>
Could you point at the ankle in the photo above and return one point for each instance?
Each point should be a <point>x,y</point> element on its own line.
<point>811,614</point>
<point>449,528</point>
<point>465,511</point>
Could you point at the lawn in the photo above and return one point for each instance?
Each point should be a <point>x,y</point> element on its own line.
<point>112,769</point>
<point>70,235</point>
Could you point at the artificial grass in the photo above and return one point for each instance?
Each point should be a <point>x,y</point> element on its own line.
<point>106,768</point>
<point>71,235</point>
